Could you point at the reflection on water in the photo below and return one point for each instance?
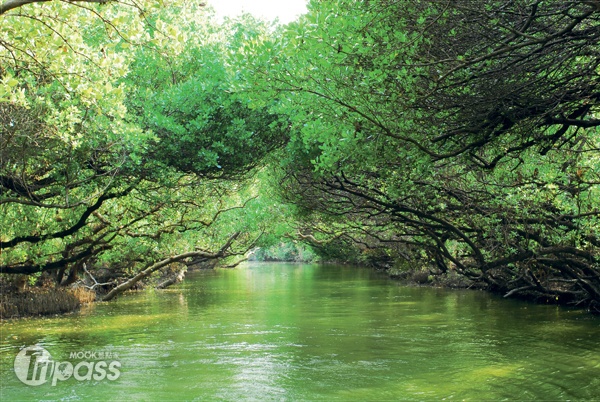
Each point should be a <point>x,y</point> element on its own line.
<point>311,332</point>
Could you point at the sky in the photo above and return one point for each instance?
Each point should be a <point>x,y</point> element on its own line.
<point>286,10</point>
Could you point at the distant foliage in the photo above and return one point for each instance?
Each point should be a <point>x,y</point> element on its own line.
<point>286,251</point>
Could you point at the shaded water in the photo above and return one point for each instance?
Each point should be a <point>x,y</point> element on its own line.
<point>312,332</point>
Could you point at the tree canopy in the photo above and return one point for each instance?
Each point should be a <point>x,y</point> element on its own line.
<point>454,136</point>
<point>450,134</point>
<point>122,141</point>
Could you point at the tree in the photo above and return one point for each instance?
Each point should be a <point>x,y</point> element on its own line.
<point>90,165</point>
<point>65,134</point>
<point>468,134</point>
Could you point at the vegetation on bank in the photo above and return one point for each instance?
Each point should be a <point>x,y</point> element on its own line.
<point>286,252</point>
<point>461,141</point>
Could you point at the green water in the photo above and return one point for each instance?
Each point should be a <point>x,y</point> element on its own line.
<point>311,332</point>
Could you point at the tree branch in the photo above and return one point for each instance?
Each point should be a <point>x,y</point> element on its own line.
<point>67,232</point>
<point>155,267</point>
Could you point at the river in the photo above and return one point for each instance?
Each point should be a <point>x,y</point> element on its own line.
<point>310,332</point>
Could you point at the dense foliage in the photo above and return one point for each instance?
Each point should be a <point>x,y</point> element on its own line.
<point>116,123</point>
<point>455,136</point>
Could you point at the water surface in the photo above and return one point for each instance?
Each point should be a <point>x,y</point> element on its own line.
<point>315,332</point>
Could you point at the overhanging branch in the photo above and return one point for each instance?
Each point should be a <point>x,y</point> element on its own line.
<point>67,232</point>
<point>156,266</point>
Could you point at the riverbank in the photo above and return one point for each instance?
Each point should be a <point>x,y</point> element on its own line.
<point>42,301</point>
<point>453,280</point>
<point>22,297</point>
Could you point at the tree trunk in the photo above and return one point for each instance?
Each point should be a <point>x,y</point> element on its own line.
<point>176,278</point>
<point>155,267</point>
